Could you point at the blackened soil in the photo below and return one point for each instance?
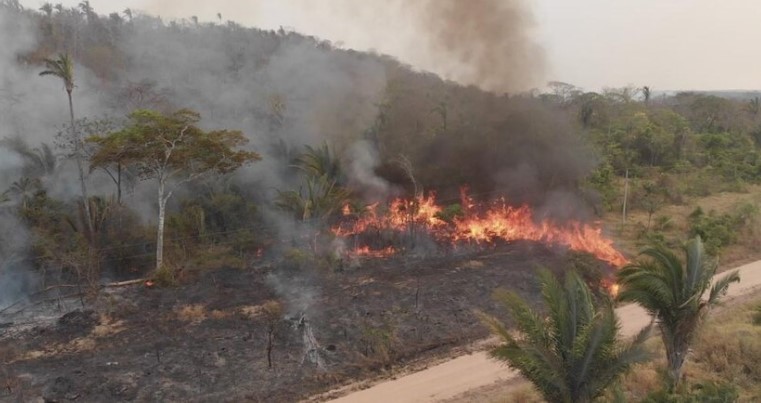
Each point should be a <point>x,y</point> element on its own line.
<point>207,341</point>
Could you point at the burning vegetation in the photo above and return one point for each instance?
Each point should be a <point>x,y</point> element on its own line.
<point>466,224</point>
<point>266,214</point>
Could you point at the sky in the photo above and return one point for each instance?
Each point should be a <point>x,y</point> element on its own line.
<point>665,44</point>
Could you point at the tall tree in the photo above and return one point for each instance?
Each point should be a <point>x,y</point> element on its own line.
<point>63,68</point>
<point>573,353</point>
<point>171,149</point>
<point>673,293</point>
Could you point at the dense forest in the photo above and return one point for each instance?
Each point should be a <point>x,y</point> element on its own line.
<point>314,128</point>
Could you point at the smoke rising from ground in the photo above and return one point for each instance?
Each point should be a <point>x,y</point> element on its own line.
<point>285,91</point>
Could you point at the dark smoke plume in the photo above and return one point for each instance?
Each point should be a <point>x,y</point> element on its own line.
<point>487,41</point>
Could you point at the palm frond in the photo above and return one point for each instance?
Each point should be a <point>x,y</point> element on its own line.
<point>572,354</point>
<point>720,287</point>
<point>528,321</point>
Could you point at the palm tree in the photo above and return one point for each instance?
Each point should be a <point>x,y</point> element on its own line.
<point>673,293</point>
<point>319,161</point>
<point>24,190</point>
<point>63,68</point>
<point>573,353</point>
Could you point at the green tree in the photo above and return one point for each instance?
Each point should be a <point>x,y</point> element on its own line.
<point>116,170</point>
<point>63,68</point>
<point>171,149</point>
<point>673,292</point>
<point>573,353</point>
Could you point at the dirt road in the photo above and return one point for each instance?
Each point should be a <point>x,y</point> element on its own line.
<point>461,374</point>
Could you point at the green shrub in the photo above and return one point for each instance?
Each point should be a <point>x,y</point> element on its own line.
<point>716,230</point>
<point>720,230</point>
<point>450,213</point>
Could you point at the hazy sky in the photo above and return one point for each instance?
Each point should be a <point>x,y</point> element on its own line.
<point>666,44</point>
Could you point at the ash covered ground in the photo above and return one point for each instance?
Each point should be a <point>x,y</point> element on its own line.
<point>206,341</point>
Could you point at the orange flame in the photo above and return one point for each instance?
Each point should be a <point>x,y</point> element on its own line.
<point>365,251</point>
<point>480,224</point>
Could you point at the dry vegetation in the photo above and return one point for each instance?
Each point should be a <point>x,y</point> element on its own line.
<point>672,223</point>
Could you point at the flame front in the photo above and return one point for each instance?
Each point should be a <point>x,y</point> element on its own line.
<point>477,224</point>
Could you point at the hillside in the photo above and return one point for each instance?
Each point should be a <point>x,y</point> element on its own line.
<point>166,184</point>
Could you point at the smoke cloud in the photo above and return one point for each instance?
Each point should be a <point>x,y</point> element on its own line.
<point>483,42</point>
<point>487,43</point>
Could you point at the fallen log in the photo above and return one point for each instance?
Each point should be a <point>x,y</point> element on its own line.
<point>125,283</point>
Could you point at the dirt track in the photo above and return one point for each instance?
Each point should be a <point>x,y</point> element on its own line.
<point>459,375</point>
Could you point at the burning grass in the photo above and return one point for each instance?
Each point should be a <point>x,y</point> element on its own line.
<point>468,224</point>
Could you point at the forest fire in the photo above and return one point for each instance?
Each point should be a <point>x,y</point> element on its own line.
<point>367,252</point>
<point>472,223</point>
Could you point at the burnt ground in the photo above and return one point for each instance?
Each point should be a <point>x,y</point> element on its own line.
<point>207,341</point>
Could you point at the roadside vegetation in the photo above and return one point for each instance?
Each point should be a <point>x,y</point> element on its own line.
<point>723,365</point>
<point>572,353</point>
<point>558,349</point>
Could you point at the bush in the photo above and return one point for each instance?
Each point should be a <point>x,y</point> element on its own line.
<point>601,181</point>
<point>716,230</point>
<point>704,392</point>
<point>720,230</point>
<point>165,276</point>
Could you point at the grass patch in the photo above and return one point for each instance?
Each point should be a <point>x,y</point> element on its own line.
<point>726,351</point>
<point>195,313</point>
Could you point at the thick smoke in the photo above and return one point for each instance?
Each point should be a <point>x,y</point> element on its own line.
<point>16,119</point>
<point>283,93</point>
<point>483,42</point>
<point>15,278</point>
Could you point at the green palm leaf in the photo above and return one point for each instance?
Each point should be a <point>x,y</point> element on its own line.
<point>673,292</point>
<point>573,353</point>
